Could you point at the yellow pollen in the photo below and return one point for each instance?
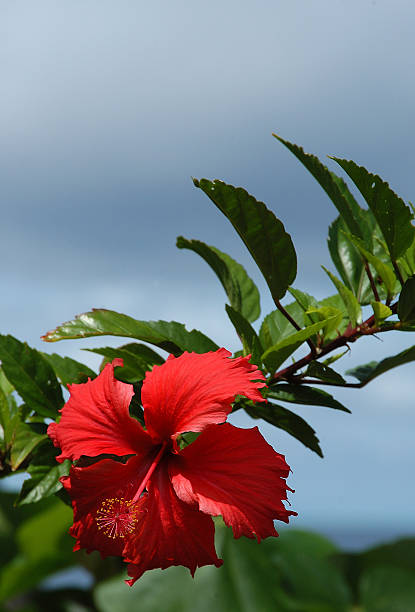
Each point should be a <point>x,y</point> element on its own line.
<point>117,517</point>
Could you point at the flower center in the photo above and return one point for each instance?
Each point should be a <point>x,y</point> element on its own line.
<point>117,517</point>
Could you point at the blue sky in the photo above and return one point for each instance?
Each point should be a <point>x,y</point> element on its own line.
<point>107,111</point>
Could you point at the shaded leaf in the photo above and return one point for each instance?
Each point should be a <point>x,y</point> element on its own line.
<point>277,354</point>
<point>304,563</point>
<point>366,373</point>
<point>325,313</point>
<point>291,573</point>
<point>23,443</point>
<point>391,213</point>
<point>170,336</point>
<point>137,358</point>
<point>383,270</point>
<point>284,419</point>
<point>69,371</point>
<point>263,234</point>
<point>349,262</point>
<point>242,293</point>
<point>406,304</point>
<point>10,417</point>
<point>306,302</point>
<point>387,588</point>
<point>44,475</point>
<point>31,375</point>
<point>350,301</point>
<point>5,385</point>
<point>248,336</point>
<point>302,394</point>
<point>276,326</point>
<point>320,370</point>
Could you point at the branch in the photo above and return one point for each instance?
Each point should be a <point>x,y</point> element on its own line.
<point>351,334</point>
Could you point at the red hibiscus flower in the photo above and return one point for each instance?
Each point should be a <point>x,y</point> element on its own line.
<point>152,502</point>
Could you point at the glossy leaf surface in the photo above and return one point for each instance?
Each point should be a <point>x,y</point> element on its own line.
<point>263,234</point>
<point>170,336</point>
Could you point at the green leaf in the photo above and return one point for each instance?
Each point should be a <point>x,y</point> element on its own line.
<point>384,271</point>
<point>350,301</point>
<point>137,358</point>
<point>45,548</point>
<point>301,394</point>
<point>69,371</point>
<point>387,588</point>
<point>45,473</point>
<point>10,418</point>
<point>280,574</point>
<point>381,312</point>
<point>24,442</point>
<point>333,185</point>
<point>348,261</point>
<point>369,371</point>
<point>5,385</point>
<point>307,303</point>
<point>323,314</point>
<point>170,336</point>
<point>335,301</point>
<point>44,482</point>
<point>248,336</point>
<point>304,563</point>
<point>277,354</point>
<point>32,376</point>
<point>242,293</point>
<point>320,370</point>
<point>263,234</point>
<point>276,326</point>
<point>285,419</point>
<point>391,213</point>
<point>406,304</point>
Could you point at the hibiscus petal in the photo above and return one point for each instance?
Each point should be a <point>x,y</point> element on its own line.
<point>93,489</point>
<point>189,392</point>
<point>169,532</point>
<point>235,473</point>
<point>95,420</point>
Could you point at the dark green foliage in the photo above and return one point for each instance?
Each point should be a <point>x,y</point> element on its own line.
<point>302,394</point>
<point>250,341</point>
<point>390,211</point>
<point>406,304</point>
<point>242,293</point>
<point>31,375</point>
<point>366,373</point>
<point>284,419</point>
<point>263,234</point>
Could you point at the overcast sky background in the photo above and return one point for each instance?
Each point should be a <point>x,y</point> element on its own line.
<point>108,108</point>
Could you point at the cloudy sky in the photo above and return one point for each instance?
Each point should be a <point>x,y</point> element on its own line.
<point>108,109</point>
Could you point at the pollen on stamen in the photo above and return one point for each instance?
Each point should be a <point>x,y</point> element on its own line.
<point>117,517</point>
